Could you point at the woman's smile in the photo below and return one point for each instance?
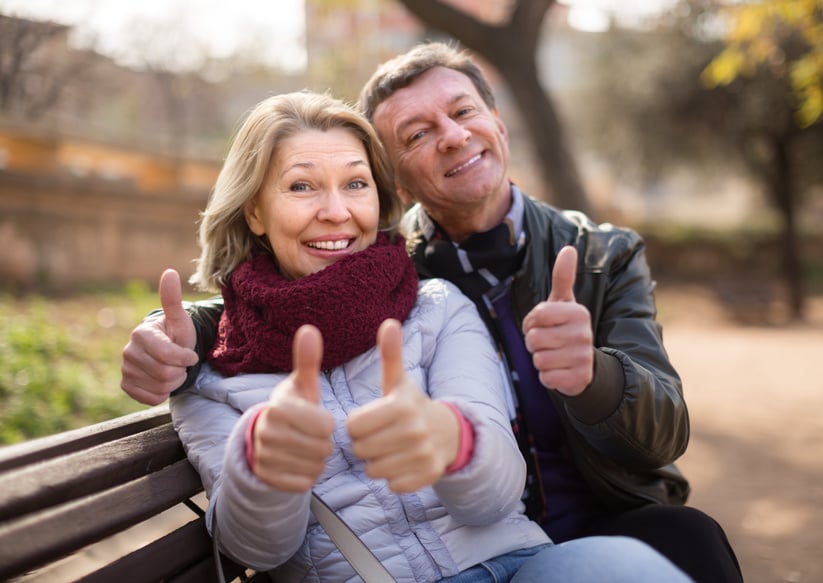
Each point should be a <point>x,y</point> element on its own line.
<point>319,201</point>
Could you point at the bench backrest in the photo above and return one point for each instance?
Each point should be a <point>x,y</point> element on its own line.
<point>61,493</point>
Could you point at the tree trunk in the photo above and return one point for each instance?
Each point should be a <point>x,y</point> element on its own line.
<point>782,191</point>
<point>557,165</point>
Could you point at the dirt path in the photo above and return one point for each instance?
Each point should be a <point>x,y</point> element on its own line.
<point>755,459</point>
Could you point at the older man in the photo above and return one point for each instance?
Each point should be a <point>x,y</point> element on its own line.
<point>597,406</point>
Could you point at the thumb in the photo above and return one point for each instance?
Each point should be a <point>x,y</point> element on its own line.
<point>307,354</point>
<point>390,341</point>
<point>179,327</point>
<point>563,275</point>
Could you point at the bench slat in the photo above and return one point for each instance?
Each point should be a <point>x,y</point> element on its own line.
<point>186,552</point>
<point>68,477</point>
<point>64,492</point>
<point>41,537</point>
<point>22,454</point>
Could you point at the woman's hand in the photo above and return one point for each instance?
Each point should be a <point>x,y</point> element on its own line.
<point>292,436</point>
<point>404,437</point>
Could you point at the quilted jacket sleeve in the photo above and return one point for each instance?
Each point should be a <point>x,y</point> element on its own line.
<point>256,525</point>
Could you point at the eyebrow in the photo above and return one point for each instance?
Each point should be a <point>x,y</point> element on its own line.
<point>412,120</point>
<point>309,165</point>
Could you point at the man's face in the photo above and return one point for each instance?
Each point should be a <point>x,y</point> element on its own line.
<point>449,150</point>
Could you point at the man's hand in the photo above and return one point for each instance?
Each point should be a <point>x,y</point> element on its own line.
<point>292,437</point>
<point>159,350</point>
<point>404,437</point>
<point>558,332</point>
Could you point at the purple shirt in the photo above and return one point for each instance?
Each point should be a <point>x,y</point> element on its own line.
<point>570,504</point>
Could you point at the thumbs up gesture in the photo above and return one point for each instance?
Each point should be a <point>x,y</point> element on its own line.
<point>558,332</point>
<point>404,437</point>
<point>292,436</point>
<point>159,350</point>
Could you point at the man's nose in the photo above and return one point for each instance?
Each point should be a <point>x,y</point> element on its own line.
<point>453,135</point>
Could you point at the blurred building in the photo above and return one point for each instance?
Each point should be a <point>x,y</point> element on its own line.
<point>107,184</point>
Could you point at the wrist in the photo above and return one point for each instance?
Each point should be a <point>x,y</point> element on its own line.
<point>465,440</point>
<point>249,438</point>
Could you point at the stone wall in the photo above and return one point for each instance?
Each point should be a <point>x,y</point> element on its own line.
<point>59,232</point>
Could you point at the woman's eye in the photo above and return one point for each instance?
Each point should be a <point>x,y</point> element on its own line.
<point>416,136</point>
<point>299,187</point>
<point>358,184</point>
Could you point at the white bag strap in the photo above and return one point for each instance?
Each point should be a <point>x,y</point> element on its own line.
<point>357,554</point>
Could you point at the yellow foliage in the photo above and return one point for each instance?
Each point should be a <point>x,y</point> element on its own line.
<point>724,68</point>
<point>754,36</point>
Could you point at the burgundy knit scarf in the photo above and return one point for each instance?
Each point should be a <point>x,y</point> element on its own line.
<point>347,301</point>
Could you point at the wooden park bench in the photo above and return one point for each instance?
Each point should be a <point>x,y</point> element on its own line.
<point>61,493</point>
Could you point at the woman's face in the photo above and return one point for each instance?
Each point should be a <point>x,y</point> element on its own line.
<point>318,202</point>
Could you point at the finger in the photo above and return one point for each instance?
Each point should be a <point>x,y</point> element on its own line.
<point>308,353</point>
<point>179,326</point>
<point>390,341</point>
<point>142,395</point>
<point>294,433</point>
<point>163,380</point>
<point>292,463</point>
<point>151,350</point>
<point>405,471</point>
<point>563,275</point>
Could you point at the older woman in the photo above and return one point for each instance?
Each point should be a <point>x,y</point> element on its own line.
<point>337,372</point>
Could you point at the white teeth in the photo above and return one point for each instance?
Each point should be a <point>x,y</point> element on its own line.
<point>471,161</point>
<point>330,245</point>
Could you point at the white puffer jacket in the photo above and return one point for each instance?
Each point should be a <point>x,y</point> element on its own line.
<point>469,516</point>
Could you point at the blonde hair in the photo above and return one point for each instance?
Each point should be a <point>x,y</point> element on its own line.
<point>225,237</point>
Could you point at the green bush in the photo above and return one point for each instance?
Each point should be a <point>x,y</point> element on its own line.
<point>60,360</point>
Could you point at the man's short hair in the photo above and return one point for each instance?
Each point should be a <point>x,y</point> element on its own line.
<point>403,69</point>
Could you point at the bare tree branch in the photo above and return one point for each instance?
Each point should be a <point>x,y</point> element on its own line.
<point>32,78</point>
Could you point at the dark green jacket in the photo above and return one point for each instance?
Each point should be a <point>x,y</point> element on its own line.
<point>626,430</point>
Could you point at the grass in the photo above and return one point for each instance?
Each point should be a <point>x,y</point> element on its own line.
<point>60,359</point>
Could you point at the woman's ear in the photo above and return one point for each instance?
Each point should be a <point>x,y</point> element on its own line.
<point>405,196</point>
<point>250,211</point>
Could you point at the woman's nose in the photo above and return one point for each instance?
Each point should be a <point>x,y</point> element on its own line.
<point>334,207</point>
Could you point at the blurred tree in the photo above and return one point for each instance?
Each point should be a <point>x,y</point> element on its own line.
<point>784,36</point>
<point>771,68</point>
<point>511,47</point>
<point>161,88</point>
<point>35,69</point>
<point>668,116</point>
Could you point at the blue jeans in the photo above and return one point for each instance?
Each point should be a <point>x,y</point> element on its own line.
<point>604,559</point>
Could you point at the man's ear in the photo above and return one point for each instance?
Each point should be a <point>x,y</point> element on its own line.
<point>500,125</point>
<point>252,219</point>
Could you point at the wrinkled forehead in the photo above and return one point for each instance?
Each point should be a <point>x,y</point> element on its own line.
<point>434,90</point>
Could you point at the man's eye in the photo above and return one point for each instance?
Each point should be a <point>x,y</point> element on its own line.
<point>464,111</point>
